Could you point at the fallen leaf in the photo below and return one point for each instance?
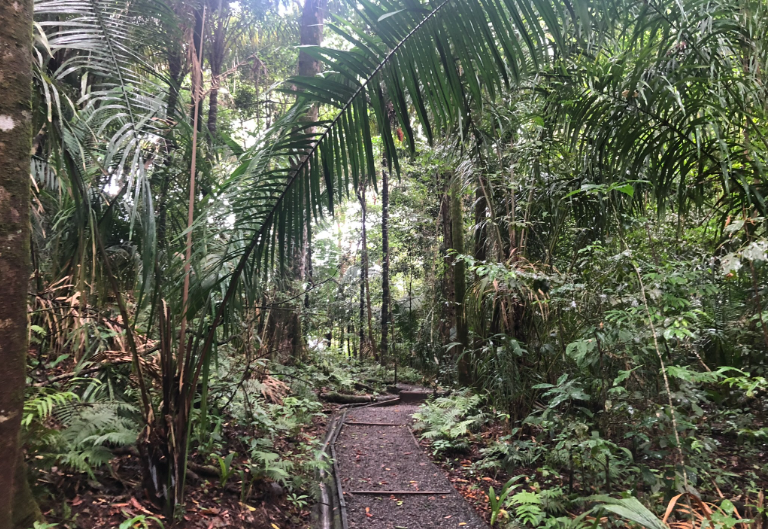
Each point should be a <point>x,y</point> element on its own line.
<point>136,505</point>
<point>462,523</point>
<point>486,478</point>
<point>447,517</point>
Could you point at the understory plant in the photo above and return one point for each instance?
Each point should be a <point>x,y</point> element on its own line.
<point>448,421</point>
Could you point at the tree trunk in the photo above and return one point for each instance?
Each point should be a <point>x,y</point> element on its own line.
<point>176,73</point>
<point>342,398</point>
<point>215,60</point>
<point>362,300</point>
<point>213,107</point>
<point>15,148</point>
<point>311,34</point>
<point>25,509</point>
<point>480,224</point>
<point>458,245</point>
<point>196,77</point>
<point>383,350</point>
<point>448,270</point>
<point>480,236</point>
<point>364,270</point>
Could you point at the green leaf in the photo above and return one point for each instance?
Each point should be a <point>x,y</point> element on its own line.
<point>633,510</point>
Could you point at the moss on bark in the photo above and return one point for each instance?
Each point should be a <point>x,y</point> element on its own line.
<point>15,146</point>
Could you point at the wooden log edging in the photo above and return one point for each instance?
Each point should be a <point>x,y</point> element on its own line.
<point>331,513</point>
<point>323,512</point>
<point>337,479</point>
<point>375,423</point>
<point>414,437</point>
<point>332,494</point>
<point>385,402</point>
<point>400,492</point>
<point>339,491</point>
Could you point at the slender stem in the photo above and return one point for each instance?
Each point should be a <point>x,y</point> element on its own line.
<point>146,404</point>
<point>664,371</point>
<point>180,360</point>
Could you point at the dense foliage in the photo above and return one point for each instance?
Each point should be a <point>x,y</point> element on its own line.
<point>554,209</point>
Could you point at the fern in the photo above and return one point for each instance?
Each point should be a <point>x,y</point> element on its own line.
<point>91,429</point>
<point>41,406</point>
<point>271,466</point>
<point>84,460</point>
<point>528,508</point>
<point>449,418</point>
<point>553,500</point>
<point>511,453</point>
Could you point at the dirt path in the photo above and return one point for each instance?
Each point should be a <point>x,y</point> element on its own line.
<point>379,453</point>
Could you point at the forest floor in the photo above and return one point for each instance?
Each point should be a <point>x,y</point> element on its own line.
<point>376,451</point>
<point>115,494</point>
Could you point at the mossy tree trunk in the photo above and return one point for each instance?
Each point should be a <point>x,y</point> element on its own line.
<point>16,504</point>
<point>384,347</point>
<point>447,280</point>
<point>458,245</point>
<point>365,291</point>
<point>215,61</point>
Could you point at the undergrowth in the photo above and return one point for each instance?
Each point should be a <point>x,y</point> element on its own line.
<point>560,470</point>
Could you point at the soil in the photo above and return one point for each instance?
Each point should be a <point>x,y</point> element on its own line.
<point>388,458</point>
<point>76,502</point>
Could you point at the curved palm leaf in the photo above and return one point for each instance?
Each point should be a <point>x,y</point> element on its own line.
<point>98,44</point>
<point>409,64</point>
<point>440,61</point>
<point>680,109</point>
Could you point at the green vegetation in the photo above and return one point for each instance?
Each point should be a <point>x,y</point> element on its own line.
<point>553,213</point>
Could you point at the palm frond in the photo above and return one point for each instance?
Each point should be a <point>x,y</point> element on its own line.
<point>407,65</point>
<point>98,43</point>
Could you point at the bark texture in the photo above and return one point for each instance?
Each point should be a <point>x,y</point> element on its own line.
<point>311,33</point>
<point>196,75</point>
<point>364,277</point>
<point>447,281</point>
<point>458,245</point>
<point>480,223</point>
<point>384,348</point>
<point>286,326</point>
<point>215,61</point>
<point>15,148</point>
<point>25,508</point>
